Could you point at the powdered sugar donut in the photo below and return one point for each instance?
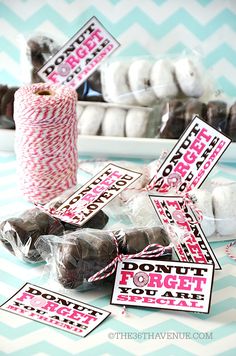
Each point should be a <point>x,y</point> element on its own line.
<point>90,120</point>
<point>162,79</point>
<point>136,123</point>
<point>189,78</point>
<point>224,203</point>
<point>115,84</point>
<point>204,203</point>
<point>79,110</point>
<point>139,80</point>
<point>141,211</point>
<point>114,122</point>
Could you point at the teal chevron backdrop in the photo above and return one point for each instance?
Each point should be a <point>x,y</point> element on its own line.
<point>22,337</point>
<point>142,27</point>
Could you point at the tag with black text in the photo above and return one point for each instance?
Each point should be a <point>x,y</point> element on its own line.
<point>163,285</point>
<point>80,56</point>
<point>53,309</point>
<point>189,241</point>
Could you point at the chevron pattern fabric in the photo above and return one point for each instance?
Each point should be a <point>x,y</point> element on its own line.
<point>22,337</point>
<point>143,27</point>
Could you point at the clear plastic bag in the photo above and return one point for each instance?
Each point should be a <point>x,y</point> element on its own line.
<point>216,202</point>
<point>77,256</point>
<point>176,114</point>
<point>19,235</point>
<point>144,81</point>
<point>104,119</point>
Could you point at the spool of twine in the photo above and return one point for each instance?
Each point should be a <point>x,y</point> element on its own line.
<point>46,140</point>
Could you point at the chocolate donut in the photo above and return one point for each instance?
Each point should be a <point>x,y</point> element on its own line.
<point>7,106</point>
<point>82,253</point>
<point>231,125</point>
<point>135,240</point>
<point>19,235</point>
<point>194,107</point>
<point>39,50</point>
<point>173,119</point>
<point>217,114</point>
<point>3,90</point>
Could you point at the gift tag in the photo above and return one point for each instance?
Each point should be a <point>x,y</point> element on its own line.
<point>169,285</point>
<point>191,160</point>
<point>184,230</point>
<point>80,56</point>
<point>53,309</point>
<point>95,194</point>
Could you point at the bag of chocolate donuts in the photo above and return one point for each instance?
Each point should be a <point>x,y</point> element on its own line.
<point>77,256</point>
<point>176,114</point>
<point>20,234</point>
<point>37,49</point>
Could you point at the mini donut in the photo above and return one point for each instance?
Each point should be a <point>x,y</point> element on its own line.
<point>189,77</point>
<point>217,114</point>
<point>114,122</point>
<point>194,107</point>
<point>136,123</point>
<point>173,120</point>
<point>141,211</point>
<point>139,80</point>
<point>39,50</point>
<point>224,204</point>
<point>3,90</point>
<point>115,84</point>
<point>79,110</point>
<point>204,203</point>
<point>90,120</point>
<point>231,125</point>
<point>162,79</point>
<point>140,279</point>
<point>7,102</point>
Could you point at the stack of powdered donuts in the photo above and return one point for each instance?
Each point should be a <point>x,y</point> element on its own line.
<point>117,100</point>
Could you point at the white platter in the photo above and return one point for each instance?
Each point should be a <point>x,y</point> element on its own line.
<point>101,146</point>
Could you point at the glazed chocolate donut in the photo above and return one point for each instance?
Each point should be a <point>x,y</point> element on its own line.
<point>194,107</point>
<point>135,240</point>
<point>39,50</point>
<point>3,90</point>
<point>7,106</point>
<point>231,125</point>
<point>7,102</point>
<point>19,235</point>
<point>80,254</point>
<point>217,114</point>
<point>173,119</point>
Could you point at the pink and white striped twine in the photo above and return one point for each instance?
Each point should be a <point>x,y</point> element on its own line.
<point>46,140</point>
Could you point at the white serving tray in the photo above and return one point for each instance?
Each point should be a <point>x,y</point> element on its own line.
<point>103,146</point>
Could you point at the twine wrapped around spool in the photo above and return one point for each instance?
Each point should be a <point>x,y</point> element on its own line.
<point>46,140</point>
